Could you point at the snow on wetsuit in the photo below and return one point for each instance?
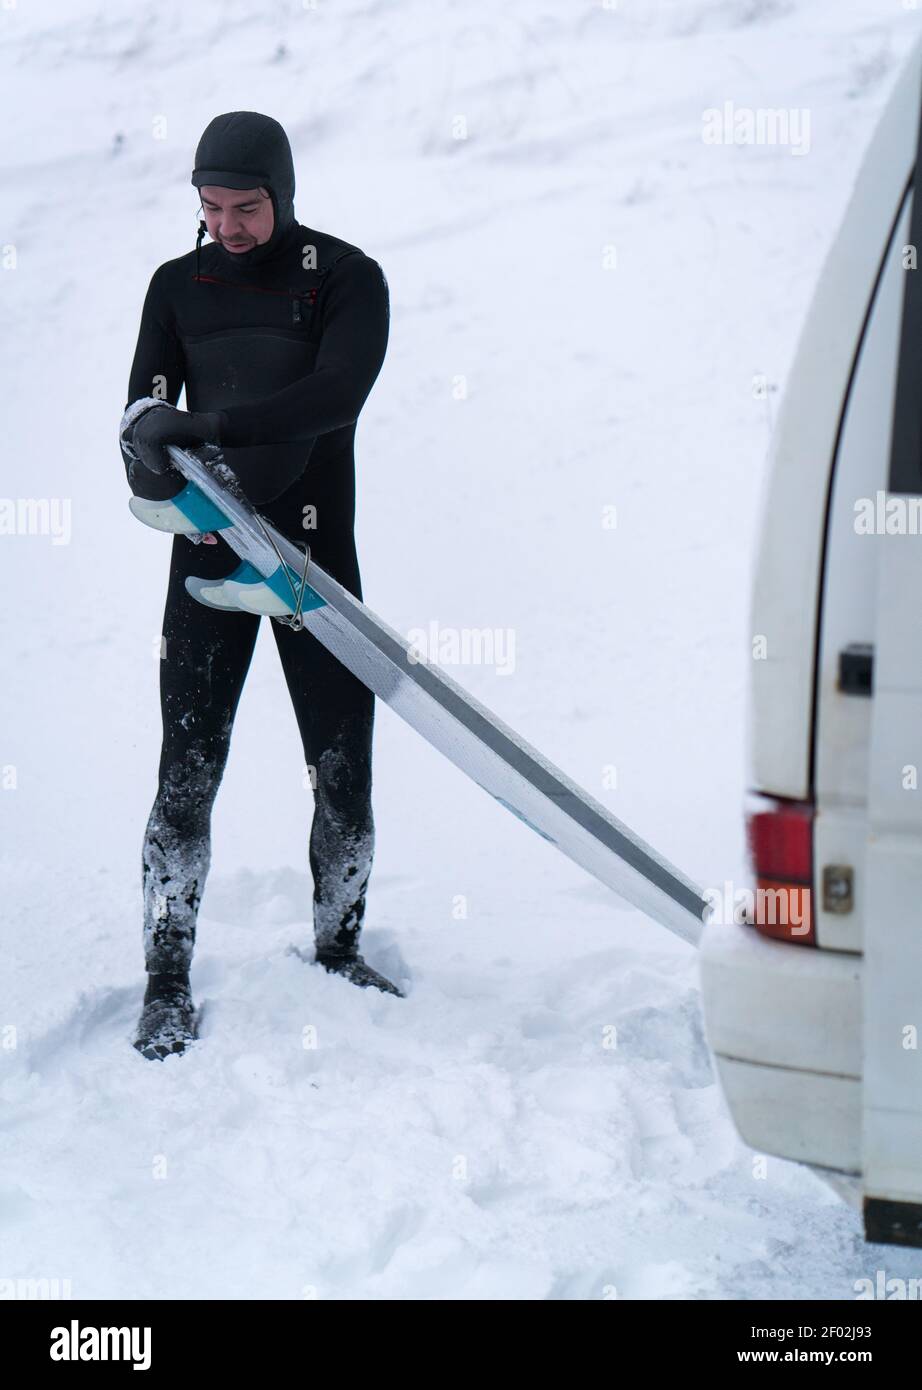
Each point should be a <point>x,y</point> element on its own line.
<point>287,345</point>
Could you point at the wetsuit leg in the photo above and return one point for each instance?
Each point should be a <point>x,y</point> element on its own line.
<point>335,714</point>
<point>204,661</point>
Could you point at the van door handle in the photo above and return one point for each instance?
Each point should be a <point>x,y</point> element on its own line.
<point>856,669</point>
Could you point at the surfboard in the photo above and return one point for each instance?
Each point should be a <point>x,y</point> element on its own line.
<point>271,577</point>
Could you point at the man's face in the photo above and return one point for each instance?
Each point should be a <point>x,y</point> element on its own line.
<point>237,218</point>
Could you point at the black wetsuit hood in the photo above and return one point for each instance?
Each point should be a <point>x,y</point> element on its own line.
<point>243,149</point>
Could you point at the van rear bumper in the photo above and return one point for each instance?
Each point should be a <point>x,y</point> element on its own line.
<point>802,1115</point>
<point>784,1023</point>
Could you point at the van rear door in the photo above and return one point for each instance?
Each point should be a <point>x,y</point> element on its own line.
<point>892,974</point>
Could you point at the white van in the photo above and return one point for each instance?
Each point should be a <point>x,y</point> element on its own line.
<point>813,1006</point>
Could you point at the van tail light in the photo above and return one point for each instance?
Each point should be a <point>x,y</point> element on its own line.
<point>780,835</point>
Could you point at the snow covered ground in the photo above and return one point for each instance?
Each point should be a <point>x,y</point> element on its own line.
<point>482,1138</point>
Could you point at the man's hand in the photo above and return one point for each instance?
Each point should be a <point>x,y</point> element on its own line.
<point>165,481</point>
<point>154,487</point>
<point>164,425</point>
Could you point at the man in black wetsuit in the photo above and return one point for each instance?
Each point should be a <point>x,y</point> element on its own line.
<point>277,332</point>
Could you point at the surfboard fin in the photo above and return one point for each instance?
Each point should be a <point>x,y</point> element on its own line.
<point>190,511</point>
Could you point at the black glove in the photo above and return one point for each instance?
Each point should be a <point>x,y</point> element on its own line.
<point>155,487</point>
<point>166,425</point>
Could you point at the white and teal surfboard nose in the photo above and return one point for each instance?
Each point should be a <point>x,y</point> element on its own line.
<point>190,511</point>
